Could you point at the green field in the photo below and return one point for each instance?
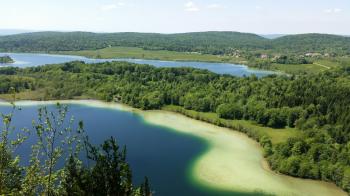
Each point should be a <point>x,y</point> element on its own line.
<point>299,68</point>
<point>334,62</point>
<point>318,66</point>
<point>24,95</point>
<point>139,53</point>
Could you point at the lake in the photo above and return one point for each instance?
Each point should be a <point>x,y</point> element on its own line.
<point>181,156</point>
<point>163,155</point>
<point>29,60</point>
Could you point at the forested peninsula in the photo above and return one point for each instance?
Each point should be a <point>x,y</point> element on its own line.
<point>315,106</point>
<point>6,59</point>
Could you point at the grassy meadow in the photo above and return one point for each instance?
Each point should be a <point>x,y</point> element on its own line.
<point>139,53</point>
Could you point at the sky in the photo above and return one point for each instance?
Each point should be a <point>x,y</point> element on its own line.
<point>174,16</point>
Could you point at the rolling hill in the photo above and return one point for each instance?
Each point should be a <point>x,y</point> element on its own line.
<point>201,42</point>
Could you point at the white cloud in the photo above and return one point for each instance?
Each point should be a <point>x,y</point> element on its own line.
<point>333,10</point>
<point>258,7</point>
<point>215,6</point>
<point>121,4</point>
<point>337,10</point>
<point>191,7</point>
<point>109,7</point>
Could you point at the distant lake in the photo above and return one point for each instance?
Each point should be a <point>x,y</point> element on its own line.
<point>30,60</point>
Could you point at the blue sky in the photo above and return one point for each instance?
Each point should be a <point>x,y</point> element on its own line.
<point>170,16</point>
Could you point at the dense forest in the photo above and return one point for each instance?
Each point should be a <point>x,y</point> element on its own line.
<point>317,105</point>
<point>218,43</point>
<point>6,59</point>
<point>103,171</point>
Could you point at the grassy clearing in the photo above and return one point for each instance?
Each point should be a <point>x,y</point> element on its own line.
<point>333,63</point>
<point>37,95</point>
<point>25,95</point>
<point>327,63</point>
<point>139,53</point>
<point>316,67</point>
<point>299,68</point>
<point>276,135</point>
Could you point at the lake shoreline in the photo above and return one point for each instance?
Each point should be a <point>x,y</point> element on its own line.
<point>243,63</point>
<point>213,168</point>
<point>63,53</point>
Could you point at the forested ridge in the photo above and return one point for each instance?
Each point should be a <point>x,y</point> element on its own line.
<point>317,105</point>
<point>218,43</point>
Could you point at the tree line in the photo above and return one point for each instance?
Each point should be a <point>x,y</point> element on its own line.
<point>217,43</point>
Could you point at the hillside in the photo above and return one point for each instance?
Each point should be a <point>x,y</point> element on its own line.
<point>323,43</point>
<point>203,42</point>
<point>206,42</point>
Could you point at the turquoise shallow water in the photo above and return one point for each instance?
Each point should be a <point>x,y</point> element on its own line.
<point>163,155</point>
<point>29,60</point>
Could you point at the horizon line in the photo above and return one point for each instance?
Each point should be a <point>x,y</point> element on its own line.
<point>24,31</point>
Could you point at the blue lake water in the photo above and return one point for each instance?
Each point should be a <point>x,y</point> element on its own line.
<point>29,60</point>
<point>165,156</point>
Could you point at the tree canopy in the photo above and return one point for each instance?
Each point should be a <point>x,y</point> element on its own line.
<point>317,105</point>
<point>6,59</point>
